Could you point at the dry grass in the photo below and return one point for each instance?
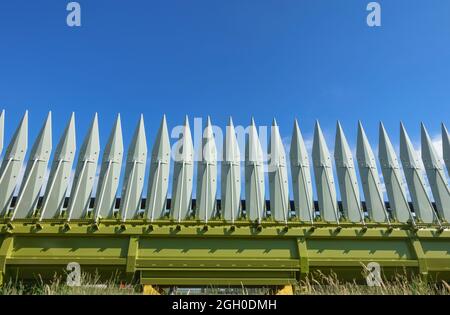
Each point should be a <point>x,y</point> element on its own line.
<point>91,285</point>
<point>322,284</point>
<point>319,284</point>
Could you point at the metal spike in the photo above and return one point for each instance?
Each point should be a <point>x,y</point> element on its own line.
<point>231,175</point>
<point>34,175</point>
<point>370,179</point>
<point>12,164</point>
<point>254,176</point>
<point>108,181</point>
<point>278,180</point>
<point>2,130</point>
<point>436,176</point>
<point>414,178</point>
<point>159,174</point>
<point>301,177</point>
<point>392,178</point>
<point>345,167</point>
<point>134,174</point>
<point>446,147</point>
<point>182,177</point>
<point>59,177</point>
<point>207,176</point>
<point>323,172</point>
<point>85,174</point>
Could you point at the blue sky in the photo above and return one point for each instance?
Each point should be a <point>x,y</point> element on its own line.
<point>310,59</point>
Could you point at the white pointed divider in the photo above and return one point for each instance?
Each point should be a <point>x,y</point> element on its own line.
<point>436,176</point>
<point>301,177</point>
<point>414,178</point>
<point>159,175</point>
<point>2,129</point>
<point>231,176</point>
<point>108,181</point>
<point>134,174</point>
<point>254,176</point>
<point>278,180</point>
<point>446,147</point>
<point>58,180</point>
<point>345,167</point>
<point>326,191</point>
<point>207,176</point>
<point>182,175</point>
<point>392,178</point>
<point>34,175</point>
<point>370,179</point>
<point>12,164</point>
<point>85,172</point>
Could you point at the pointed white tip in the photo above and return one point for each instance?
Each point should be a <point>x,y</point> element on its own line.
<point>317,126</point>
<point>423,129</point>
<point>444,128</point>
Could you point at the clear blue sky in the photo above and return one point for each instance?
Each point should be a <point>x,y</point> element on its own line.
<point>310,59</point>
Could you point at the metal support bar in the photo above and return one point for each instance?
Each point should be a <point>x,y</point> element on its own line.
<point>132,253</point>
<point>303,257</point>
<point>5,251</point>
<point>421,258</point>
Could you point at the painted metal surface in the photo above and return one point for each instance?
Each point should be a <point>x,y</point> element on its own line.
<point>254,176</point>
<point>446,146</point>
<point>130,203</point>
<point>436,176</point>
<point>207,176</point>
<point>108,181</point>
<point>413,171</point>
<point>58,181</point>
<point>392,179</point>
<point>301,177</point>
<point>231,176</point>
<point>83,182</point>
<point>12,164</point>
<point>218,245</point>
<point>370,178</point>
<point>278,179</point>
<point>183,175</point>
<point>34,175</point>
<point>326,190</point>
<point>159,175</point>
<point>351,202</point>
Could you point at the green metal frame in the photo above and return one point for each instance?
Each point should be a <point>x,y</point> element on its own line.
<point>192,253</point>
